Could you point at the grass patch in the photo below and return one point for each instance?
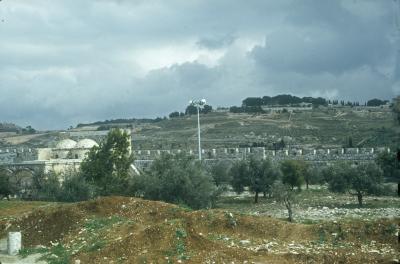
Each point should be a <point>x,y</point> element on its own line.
<point>57,254</point>
<point>97,245</point>
<point>25,252</point>
<point>179,249</point>
<point>101,222</point>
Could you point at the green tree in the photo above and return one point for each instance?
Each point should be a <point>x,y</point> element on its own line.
<point>262,176</point>
<point>257,175</point>
<point>7,188</point>
<point>107,165</point>
<point>220,173</point>
<point>179,179</point>
<point>285,194</point>
<point>390,165</point>
<point>356,180</point>
<point>396,108</point>
<point>239,176</point>
<point>350,142</point>
<point>174,114</point>
<point>45,186</point>
<point>206,109</point>
<point>293,173</point>
<point>75,188</point>
<point>314,176</point>
<point>376,102</point>
<point>191,110</point>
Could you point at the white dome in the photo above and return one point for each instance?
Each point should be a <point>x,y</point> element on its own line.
<point>66,144</point>
<point>86,143</point>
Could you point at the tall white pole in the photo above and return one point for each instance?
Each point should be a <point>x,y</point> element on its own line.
<point>198,129</point>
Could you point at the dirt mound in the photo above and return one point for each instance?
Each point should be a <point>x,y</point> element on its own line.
<point>132,230</point>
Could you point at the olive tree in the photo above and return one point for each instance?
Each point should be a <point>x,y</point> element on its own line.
<point>293,173</point>
<point>178,179</point>
<point>257,175</point>
<point>220,173</point>
<point>285,194</point>
<point>358,180</point>
<point>390,165</point>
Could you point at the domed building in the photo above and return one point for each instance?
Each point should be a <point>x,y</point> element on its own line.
<point>63,149</point>
<point>67,153</point>
<point>66,144</point>
<point>82,148</point>
<point>86,144</point>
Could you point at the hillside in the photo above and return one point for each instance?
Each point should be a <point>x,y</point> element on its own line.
<point>132,230</point>
<point>317,128</point>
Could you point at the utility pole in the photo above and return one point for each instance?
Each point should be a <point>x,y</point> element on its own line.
<point>198,104</point>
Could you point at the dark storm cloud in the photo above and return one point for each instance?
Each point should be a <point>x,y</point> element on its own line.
<point>65,62</point>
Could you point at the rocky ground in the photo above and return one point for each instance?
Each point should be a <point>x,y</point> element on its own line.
<point>131,230</point>
<point>317,204</point>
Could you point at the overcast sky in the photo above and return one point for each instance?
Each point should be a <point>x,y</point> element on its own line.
<point>63,62</point>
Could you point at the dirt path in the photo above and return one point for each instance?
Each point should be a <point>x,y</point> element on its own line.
<point>6,259</point>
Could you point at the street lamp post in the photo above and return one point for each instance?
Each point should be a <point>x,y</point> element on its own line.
<point>198,104</point>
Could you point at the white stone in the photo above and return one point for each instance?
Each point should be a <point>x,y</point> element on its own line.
<point>245,242</point>
<point>14,243</point>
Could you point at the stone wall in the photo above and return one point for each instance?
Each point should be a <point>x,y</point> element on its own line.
<point>143,158</point>
<point>260,152</point>
<point>14,155</point>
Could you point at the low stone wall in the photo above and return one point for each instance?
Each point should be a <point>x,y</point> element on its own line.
<point>143,158</point>
<point>243,153</point>
<point>13,155</point>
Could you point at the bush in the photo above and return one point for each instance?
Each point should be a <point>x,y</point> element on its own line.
<point>7,188</point>
<point>178,179</point>
<point>46,186</point>
<point>75,188</point>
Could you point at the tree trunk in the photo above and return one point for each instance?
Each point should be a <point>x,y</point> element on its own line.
<point>289,208</point>
<point>398,189</point>
<point>359,198</point>
<point>265,194</point>
<point>307,185</point>
<point>256,198</point>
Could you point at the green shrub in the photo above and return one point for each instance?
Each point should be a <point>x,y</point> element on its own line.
<point>178,179</point>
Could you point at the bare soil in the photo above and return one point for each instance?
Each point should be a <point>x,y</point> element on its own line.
<point>132,230</point>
